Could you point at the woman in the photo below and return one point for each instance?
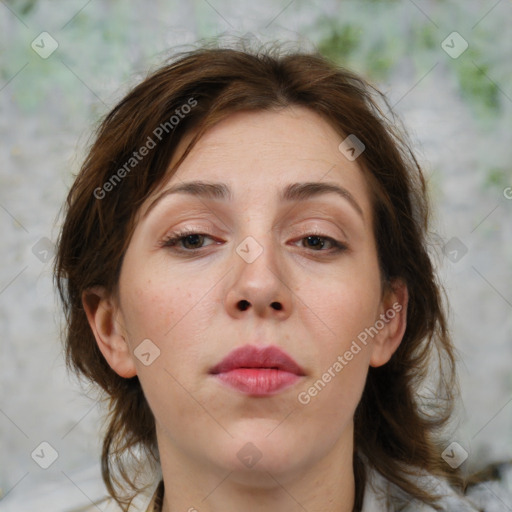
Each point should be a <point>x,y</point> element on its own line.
<point>244,271</point>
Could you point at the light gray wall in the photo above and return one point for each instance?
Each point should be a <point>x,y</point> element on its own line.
<point>49,105</point>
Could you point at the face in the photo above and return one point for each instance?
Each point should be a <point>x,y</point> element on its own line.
<point>298,272</point>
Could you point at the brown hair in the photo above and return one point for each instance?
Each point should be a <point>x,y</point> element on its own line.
<point>394,428</point>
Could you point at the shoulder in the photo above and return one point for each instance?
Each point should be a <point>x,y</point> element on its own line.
<point>492,491</point>
<point>110,505</point>
<point>107,505</point>
<point>144,502</point>
<point>381,495</point>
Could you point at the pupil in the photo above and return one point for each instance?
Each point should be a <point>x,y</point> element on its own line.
<point>317,239</point>
<point>189,237</point>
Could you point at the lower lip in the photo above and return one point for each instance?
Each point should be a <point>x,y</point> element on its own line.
<point>258,381</point>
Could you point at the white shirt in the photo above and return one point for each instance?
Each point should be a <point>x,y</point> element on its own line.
<point>381,495</point>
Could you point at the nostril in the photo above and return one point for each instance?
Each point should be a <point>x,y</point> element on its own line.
<point>243,305</point>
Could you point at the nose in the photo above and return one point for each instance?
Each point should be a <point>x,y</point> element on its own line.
<point>259,285</point>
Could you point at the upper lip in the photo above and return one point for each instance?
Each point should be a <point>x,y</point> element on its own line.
<point>250,356</point>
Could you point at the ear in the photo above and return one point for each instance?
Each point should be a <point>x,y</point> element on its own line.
<point>393,314</point>
<point>102,314</point>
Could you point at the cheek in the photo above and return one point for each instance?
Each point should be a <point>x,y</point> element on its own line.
<point>174,316</point>
<point>339,312</point>
<point>331,394</point>
<point>148,309</point>
<point>175,313</point>
<point>155,306</point>
<point>343,306</point>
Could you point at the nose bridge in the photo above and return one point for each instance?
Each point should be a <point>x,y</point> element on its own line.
<point>259,270</point>
<point>256,236</point>
<point>258,254</point>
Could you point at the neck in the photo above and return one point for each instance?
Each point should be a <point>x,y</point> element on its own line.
<point>326,485</point>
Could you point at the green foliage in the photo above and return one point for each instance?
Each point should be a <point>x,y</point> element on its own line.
<point>476,85</point>
<point>341,42</point>
<point>378,63</point>
<point>426,36</point>
<point>24,7</point>
<point>497,177</point>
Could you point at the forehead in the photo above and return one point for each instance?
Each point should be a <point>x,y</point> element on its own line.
<point>292,133</point>
<point>260,153</point>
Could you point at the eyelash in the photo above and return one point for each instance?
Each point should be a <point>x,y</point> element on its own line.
<point>175,237</point>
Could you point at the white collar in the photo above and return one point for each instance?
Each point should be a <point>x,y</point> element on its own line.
<point>381,495</point>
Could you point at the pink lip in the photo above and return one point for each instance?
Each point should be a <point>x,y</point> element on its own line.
<point>258,371</point>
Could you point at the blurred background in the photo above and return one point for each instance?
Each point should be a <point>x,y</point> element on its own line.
<point>446,68</point>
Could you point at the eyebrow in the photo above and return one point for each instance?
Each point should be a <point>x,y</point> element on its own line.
<point>292,192</point>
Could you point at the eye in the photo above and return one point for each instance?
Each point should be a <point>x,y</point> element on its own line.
<point>185,241</point>
<point>190,241</point>
<point>318,242</point>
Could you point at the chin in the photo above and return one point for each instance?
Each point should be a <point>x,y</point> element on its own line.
<point>261,448</point>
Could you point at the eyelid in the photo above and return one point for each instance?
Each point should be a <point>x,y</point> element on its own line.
<point>182,232</point>
<point>303,231</point>
<point>190,227</point>
<point>173,239</point>
<point>335,241</point>
<point>315,230</point>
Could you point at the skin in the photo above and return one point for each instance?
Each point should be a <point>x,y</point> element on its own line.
<point>189,307</point>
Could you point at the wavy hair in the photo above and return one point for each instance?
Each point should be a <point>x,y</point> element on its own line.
<point>396,429</point>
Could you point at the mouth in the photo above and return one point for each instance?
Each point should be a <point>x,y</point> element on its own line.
<point>258,371</point>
